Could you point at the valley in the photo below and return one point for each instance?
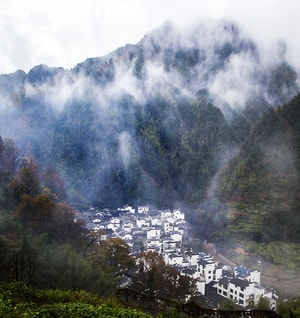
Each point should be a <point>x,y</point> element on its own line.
<point>197,119</point>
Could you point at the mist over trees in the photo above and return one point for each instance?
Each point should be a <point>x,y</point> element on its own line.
<point>153,122</point>
<point>193,117</point>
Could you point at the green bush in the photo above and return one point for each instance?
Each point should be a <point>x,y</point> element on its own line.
<point>19,301</point>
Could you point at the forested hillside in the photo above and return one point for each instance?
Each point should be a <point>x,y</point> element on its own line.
<point>149,122</point>
<point>198,118</point>
<point>158,122</point>
<point>262,182</point>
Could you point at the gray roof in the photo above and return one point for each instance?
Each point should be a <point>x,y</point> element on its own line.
<point>224,281</point>
<point>240,282</point>
<point>202,262</point>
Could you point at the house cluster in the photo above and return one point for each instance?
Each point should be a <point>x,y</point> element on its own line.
<point>166,232</point>
<point>215,281</point>
<point>143,229</point>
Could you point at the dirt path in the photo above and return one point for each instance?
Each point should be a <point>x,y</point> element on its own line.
<point>288,287</point>
<point>211,249</point>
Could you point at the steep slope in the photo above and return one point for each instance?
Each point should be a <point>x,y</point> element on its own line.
<point>148,122</point>
<point>262,181</point>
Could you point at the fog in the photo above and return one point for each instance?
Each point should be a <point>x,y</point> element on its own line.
<point>91,109</point>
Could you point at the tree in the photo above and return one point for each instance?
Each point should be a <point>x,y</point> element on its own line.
<point>54,183</point>
<point>289,308</point>
<point>62,266</point>
<point>35,213</point>
<point>24,262</point>
<point>164,280</point>
<point>6,199</point>
<point>26,180</point>
<point>9,155</point>
<point>41,215</point>
<point>65,226</point>
<point>229,304</point>
<point>263,303</point>
<point>113,254</point>
<point>6,266</point>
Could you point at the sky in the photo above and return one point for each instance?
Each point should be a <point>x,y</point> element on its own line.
<point>66,32</point>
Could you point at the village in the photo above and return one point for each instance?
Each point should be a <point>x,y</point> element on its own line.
<point>167,232</point>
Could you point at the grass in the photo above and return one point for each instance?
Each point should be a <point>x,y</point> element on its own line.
<point>287,254</point>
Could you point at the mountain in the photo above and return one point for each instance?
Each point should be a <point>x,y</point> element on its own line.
<point>152,122</point>
<point>262,180</point>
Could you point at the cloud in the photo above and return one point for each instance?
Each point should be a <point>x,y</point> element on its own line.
<point>235,84</point>
<point>125,148</point>
<point>64,33</point>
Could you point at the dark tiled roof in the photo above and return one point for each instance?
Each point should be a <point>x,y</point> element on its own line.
<point>240,282</point>
<point>224,281</point>
<point>188,271</point>
<point>202,262</point>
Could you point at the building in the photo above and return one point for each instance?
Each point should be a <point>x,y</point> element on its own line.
<point>209,269</point>
<point>245,288</point>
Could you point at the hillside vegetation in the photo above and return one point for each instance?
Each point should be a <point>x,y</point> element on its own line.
<point>17,301</point>
<point>262,182</point>
<point>194,119</point>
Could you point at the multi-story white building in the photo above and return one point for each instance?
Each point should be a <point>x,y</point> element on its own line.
<point>209,269</point>
<point>245,288</point>
<point>244,273</point>
<point>173,259</point>
<point>168,227</point>
<point>154,245</point>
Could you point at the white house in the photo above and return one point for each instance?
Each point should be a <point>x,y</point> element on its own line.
<point>127,208</point>
<point>173,259</point>
<point>210,270</point>
<point>168,227</point>
<point>143,209</point>
<point>164,215</point>
<point>193,259</point>
<point>176,236</point>
<point>153,233</point>
<point>244,292</point>
<point>178,215</point>
<point>244,273</point>
<point>156,222</point>
<point>154,245</point>
<point>144,222</point>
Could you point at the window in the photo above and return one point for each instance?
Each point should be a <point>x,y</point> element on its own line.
<point>231,290</point>
<point>224,293</point>
<point>241,295</point>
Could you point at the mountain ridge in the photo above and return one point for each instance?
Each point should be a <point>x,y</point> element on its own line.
<point>152,122</point>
